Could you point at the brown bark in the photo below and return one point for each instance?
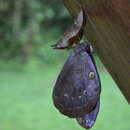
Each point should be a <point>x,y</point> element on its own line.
<point>108,28</point>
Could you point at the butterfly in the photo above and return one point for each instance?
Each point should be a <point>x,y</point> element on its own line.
<point>76,93</point>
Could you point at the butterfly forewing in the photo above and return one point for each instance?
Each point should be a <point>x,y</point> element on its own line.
<point>75,92</point>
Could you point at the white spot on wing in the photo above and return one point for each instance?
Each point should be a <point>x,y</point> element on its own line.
<point>66,95</point>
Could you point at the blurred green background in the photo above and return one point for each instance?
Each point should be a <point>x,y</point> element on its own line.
<point>29,68</point>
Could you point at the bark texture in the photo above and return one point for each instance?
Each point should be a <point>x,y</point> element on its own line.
<point>108,28</point>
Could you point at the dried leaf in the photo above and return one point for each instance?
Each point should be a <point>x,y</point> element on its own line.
<point>74,33</point>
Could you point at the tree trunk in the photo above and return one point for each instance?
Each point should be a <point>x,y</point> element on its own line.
<point>108,28</point>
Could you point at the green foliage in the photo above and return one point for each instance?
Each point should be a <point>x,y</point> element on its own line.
<point>29,27</point>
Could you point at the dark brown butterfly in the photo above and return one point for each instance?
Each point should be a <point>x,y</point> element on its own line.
<point>77,89</point>
<point>74,33</point>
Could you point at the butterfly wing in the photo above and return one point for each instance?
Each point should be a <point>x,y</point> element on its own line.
<point>89,119</point>
<point>75,94</point>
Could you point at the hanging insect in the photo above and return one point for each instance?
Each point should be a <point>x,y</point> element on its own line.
<point>74,34</point>
<point>77,89</point>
